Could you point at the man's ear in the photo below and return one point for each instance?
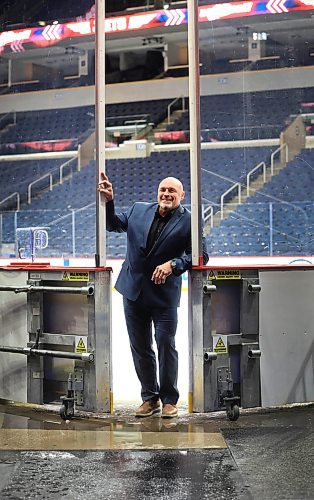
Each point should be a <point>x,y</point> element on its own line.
<point>182,195</point>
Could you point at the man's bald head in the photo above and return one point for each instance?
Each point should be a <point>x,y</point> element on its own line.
<point>173,180</point>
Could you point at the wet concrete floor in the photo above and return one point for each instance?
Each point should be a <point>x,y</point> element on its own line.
<point>263,455</point>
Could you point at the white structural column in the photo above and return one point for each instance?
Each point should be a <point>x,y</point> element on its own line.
<point>195,147</point>
<point>196,341</point>
<point>100,82</point>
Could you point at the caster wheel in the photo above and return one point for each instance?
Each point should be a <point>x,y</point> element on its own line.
<point>234,413</point>
<point>65,414</point>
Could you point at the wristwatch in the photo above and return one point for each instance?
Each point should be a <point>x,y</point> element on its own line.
<point>173,264</point>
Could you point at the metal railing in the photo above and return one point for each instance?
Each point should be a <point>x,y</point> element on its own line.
<point>240,133</point>
<point>79,157</point>
<point>237,186</point>
<point>7,119</point>
<point>278,150</point>
<point>137,127</point>
<point>62,167</point>
<point>18,200</point>
<point>248,177</point>
<point>208,214</point>
<point>32,184</point>
<point>127,119</point>
<point>172,104</point>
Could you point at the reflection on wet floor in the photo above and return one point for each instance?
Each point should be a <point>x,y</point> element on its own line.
<point>31,439</point>
<point>25,428</point>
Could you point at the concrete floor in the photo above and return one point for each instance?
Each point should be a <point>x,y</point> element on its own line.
<point>263,455</point>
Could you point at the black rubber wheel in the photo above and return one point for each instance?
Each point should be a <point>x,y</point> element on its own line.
<point>64,414</point>
<point>234,413</point>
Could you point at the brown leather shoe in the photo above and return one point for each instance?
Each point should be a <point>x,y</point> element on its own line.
<point>148,408</point>
<point>169,411</point>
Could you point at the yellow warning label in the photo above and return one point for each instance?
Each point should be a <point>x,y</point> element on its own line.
<point>81,346</point>
<point>75,276</point>
<point>224,274</point>
<point>220,346</point>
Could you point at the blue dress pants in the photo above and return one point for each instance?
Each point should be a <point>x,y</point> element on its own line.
<point>139,318</point>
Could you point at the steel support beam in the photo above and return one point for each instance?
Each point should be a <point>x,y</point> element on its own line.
<point>100,84</point>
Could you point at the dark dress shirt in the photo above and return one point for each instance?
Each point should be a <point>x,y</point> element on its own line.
<point>156,228</point>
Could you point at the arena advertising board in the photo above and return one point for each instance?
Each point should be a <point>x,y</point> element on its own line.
<point>45,36</point>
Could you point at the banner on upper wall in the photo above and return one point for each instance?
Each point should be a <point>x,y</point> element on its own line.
<point>38,146</point>
<point>45,36</point>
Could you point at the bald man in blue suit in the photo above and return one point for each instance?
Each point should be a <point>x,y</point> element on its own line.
<point>158,253</point>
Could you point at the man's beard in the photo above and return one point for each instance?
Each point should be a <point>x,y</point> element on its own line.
<point>165,206</point>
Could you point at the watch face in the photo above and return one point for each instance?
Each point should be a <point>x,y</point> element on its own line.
<point>173,263</point>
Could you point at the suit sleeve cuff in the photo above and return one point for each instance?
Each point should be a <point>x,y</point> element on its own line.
<point>110,208</point>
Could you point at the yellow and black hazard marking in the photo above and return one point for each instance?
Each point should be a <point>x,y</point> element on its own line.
<point>220,345</point>
<point>224,274</point>
<point>81,345</point>
<point>75,276</point>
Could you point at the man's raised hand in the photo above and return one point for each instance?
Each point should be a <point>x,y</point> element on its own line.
<point>105,188</point>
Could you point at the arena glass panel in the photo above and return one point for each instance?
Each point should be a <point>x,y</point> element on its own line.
<point>256,127</point>
<point>257,158</point>
<point>47,125</point>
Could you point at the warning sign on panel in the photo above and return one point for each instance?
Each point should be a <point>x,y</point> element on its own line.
<point>75,276</point>
<point>80,344</point>
<point>220,344</point>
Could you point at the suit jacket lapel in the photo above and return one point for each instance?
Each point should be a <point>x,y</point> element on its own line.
<point>148,222</point>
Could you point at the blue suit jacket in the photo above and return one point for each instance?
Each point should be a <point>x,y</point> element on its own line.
<point>174,242</point>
